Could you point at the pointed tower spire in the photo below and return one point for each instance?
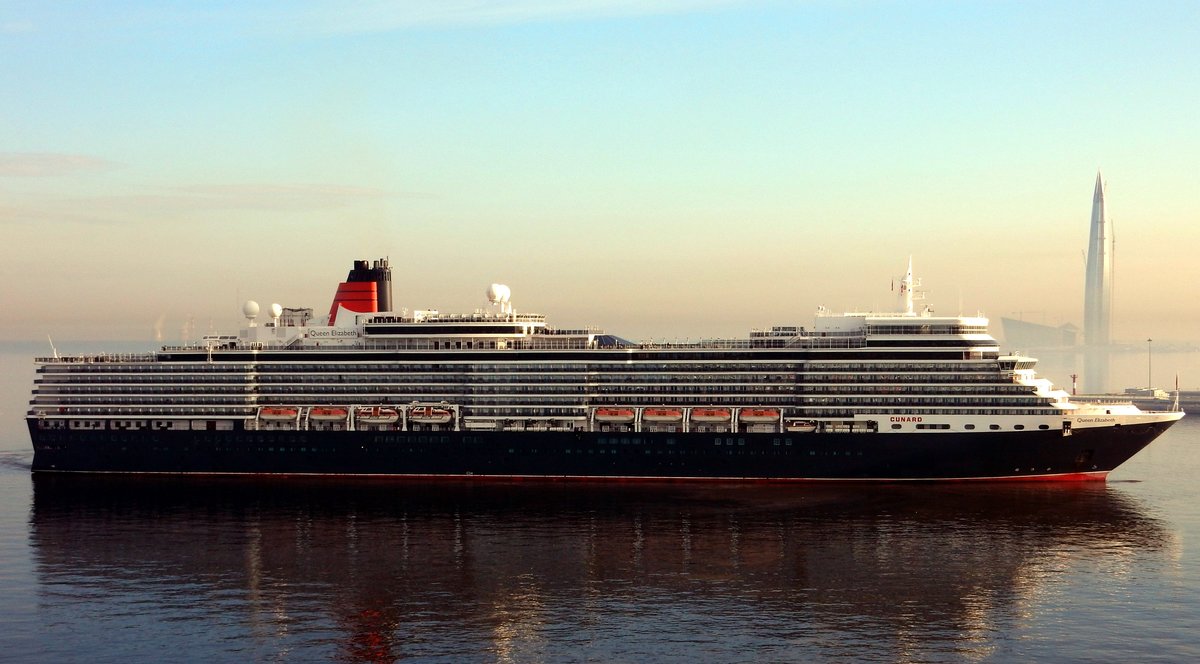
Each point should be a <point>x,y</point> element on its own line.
<point>1097,297</point>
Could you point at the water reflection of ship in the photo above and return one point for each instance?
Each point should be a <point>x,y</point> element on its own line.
<point>404,569</point>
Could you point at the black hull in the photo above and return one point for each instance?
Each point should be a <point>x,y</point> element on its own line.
<point>1087,454</point>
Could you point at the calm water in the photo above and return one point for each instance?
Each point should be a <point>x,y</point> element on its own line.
<point>142,569</point>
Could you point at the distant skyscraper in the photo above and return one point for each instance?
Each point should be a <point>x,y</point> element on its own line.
<point>1097,297</point>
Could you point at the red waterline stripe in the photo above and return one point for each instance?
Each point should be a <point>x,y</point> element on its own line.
<point>1094,476</point>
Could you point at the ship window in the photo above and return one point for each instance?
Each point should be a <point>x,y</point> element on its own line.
<point>895,426</point>
<point>968,426</point>
<point>1043,426</point>
<point>994,427</point>
<point>1018,426</point>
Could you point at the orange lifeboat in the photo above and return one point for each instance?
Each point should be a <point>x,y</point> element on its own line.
<point>662,415</point>
<point>757,415</point>
<point>278,413</point>
<point>327,414</point>
<point>377,415</point>
<point>614,415</point>
<point>710,414</point>
<point>429,415</point>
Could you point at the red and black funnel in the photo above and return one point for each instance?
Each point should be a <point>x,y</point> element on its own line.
<point>367,289</point>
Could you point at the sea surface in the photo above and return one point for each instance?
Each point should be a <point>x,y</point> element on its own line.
<point>121,569</point>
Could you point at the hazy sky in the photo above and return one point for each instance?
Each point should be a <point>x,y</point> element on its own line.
<point>659,168</point>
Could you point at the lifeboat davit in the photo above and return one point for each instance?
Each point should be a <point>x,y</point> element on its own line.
<point>278,413</point>
<point>429,415</point>
<point>755,415</point>
<point>614,415</point>
<point>377,415</point>
<point>710,414</point>
<point>327,414</point>
<point>662,415</point>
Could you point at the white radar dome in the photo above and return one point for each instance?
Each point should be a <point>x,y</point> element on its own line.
<point>250,309</point>
<point>276,310</point>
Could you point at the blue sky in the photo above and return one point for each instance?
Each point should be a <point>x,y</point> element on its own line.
<point>661,169</point>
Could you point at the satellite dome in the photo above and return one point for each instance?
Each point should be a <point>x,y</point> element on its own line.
<point>250,309</point>
<point>276,310</point>
<point>493,293</point>
<point>503,292</point>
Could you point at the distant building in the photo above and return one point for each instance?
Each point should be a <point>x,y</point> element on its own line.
<point>1097,297</point>
<point>1026,336</point>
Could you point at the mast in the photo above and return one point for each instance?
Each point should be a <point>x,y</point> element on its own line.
<point>908,292</point>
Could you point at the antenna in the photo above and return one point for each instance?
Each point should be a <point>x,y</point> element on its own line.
<point>56,350</point>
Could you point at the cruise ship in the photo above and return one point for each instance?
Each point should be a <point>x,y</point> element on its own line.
<point>370,391</point>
